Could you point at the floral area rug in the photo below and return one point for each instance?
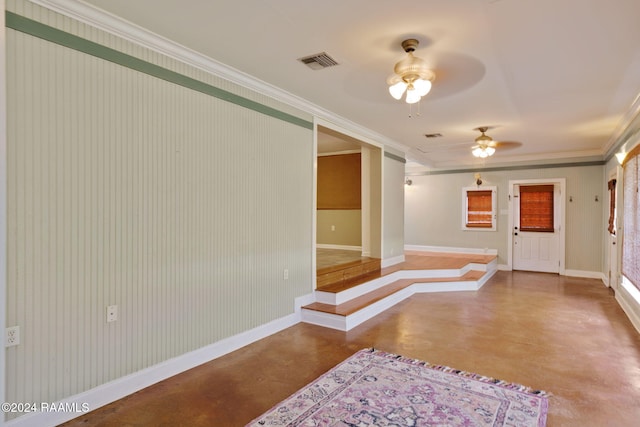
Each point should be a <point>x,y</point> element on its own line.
<point>374,388</point>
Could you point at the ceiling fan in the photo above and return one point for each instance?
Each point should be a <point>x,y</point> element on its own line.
<point>485,145</point>
<point>482,142</point>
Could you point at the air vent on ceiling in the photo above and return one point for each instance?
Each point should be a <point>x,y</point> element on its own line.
<point>318,61</point>
<point>433,135</point>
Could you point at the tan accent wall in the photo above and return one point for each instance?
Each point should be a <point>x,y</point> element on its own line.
<point>339,182</point>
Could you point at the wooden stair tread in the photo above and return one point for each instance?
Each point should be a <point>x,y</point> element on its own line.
<point>367,299</point>
<point>437,261</point>
<point>414,261</point>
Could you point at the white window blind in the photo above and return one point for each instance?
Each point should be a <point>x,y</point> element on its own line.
<point>631,218</point>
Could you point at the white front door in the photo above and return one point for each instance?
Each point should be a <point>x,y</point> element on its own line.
<point>536,251</point>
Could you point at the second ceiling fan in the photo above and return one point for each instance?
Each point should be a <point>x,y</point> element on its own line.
<point>485,145</point>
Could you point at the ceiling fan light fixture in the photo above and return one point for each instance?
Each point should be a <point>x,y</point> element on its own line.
<point>411,75</point>
<point>479,152</point>
<point>483,149</point>
<point>483,139</point>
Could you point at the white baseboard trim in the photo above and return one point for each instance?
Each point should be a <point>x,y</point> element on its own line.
<point>340,247</point>
<point>585,274</point>
<point>629,299</point>
<point>446,249</point>
<point>124,386</point>
<point>391,261</point>
<point>504,267</point>
<point>301,302</point>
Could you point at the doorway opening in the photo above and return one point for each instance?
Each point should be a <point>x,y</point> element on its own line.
<point>348,215</point>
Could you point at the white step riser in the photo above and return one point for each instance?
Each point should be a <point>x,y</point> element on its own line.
<point>338,298</point>
<point>346,323</point>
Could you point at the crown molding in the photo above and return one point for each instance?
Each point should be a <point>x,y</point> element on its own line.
<point>112,24</point>
<point>616,140</point>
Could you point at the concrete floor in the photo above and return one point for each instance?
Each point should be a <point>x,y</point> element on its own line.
<point>567,336</point>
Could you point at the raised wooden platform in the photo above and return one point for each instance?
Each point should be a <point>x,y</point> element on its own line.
<point>345,304</point>
<point>338,277</point>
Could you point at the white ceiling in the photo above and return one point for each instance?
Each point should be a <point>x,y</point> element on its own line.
<point>553,76</point>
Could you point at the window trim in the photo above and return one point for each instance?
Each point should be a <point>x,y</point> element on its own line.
<point>494,204</point>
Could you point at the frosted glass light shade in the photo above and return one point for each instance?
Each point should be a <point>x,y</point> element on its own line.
<point>422,86</point>
<point>413,96</point>
<point>397,89</point>
<point>483,152</point>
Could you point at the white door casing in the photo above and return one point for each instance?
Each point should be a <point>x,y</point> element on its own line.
<point>537,251</point>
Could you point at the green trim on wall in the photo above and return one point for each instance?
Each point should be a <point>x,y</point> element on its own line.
<point>394,157</point>
<point>62,38</point>
<point>510,168</point>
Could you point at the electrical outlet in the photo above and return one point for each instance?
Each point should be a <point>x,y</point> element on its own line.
<point>112,313</point>
<point>285,274</point>
<point>12,336</point>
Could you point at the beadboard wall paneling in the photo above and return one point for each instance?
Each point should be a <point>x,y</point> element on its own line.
<point>393,206</point>
<point>180,208</point>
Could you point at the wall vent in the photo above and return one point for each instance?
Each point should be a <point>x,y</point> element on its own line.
<point>432,135</point>
<point>318,61</point>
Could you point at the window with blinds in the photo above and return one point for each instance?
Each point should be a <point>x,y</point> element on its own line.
<point>536,208</point>
<point>479,208</point>
<point>631,218</point>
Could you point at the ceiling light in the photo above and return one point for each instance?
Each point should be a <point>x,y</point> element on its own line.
<point>411,76</point>
<point>484,145</point>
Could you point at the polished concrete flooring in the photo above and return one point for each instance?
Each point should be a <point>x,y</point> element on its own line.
<point>566,336</point>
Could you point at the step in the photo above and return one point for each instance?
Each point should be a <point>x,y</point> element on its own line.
<point>336,278</point>
<point>340,295</point>
<point>348,308</point>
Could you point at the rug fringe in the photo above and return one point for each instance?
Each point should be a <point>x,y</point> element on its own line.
<point>449,370</point>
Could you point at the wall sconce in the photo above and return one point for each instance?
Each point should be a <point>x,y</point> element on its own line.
<point>478,179</point>
<point>407,181</point>
<point>620,156</point>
